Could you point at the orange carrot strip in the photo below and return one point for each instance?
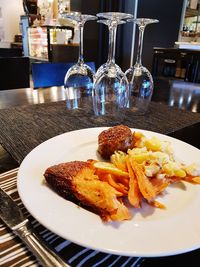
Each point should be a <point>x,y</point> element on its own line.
<point>123,180</point>
<point>134,194</point>
<point>117,186</point>
<point>159,185</point>
<point>192,179</point>
<point>156,204</point>
<point>145,186</point>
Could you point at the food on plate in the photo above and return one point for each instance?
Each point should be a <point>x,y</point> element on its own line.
<point>139,170</point>
<point>152,167</point>
<point>110,168</point>
<point>115,138</point>
<point>78,182</point>
<point>134,194</point>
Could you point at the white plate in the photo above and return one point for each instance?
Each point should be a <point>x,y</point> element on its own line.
<point>151,232</point>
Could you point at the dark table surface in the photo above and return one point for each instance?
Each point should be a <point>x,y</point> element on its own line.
<point>23,127</point>
<point>174,93</point>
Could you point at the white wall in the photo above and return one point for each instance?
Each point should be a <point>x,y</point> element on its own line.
<point>11,11</point>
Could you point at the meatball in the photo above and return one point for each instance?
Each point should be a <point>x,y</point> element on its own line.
<point>115,138</point>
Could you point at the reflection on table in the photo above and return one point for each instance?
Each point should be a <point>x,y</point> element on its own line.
<point>177,93</point>
<point>26,96</point>
<point>185,96</point>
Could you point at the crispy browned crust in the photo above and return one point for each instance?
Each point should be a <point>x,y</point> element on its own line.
<point>62,179</point>
<point>115,138</point>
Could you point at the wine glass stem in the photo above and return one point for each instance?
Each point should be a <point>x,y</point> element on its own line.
<point>112,43</point>
<point>80,59</point>
<point>140,45</point>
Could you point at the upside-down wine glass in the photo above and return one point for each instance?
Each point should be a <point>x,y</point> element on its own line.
<point>110,83</point>
<point>79,78</point>
<point>139,78</point>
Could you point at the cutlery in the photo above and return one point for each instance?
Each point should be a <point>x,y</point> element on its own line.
<point>13,217</point>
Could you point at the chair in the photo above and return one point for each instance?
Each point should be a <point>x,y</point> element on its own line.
<point>51,74</point>
<point>14,73</point>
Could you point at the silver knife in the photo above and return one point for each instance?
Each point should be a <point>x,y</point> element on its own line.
<point>13,217</point>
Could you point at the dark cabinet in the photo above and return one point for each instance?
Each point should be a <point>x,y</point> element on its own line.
<point>176,63</point>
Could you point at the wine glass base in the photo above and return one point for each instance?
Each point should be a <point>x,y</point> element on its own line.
<point>115,15</point>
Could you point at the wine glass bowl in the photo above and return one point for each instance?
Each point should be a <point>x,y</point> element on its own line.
<point>141,81</point>
<point>139,77</point>
<point>141,88</point>
<point>79,78</point>
<point>111,90</point>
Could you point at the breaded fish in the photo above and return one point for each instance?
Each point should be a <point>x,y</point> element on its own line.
<point>76,181</point>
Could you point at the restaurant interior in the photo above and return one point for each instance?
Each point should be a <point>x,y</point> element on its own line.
<point>38,34</point>
<point>143,57</point>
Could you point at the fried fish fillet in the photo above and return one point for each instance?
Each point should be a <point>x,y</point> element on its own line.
<point>113,139</point>
<point>76,181</point>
